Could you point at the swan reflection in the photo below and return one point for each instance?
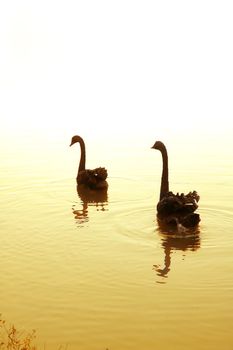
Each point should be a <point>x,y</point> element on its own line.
<point>172,241</point>
<point>88,197</point>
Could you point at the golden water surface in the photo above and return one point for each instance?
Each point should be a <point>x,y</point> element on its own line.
<point>100,274</point>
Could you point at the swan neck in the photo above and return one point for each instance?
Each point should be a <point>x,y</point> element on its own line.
<point>82,161</point>
<point>164,180</point>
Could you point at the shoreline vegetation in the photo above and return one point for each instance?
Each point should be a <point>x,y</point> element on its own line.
<point>14,339</point>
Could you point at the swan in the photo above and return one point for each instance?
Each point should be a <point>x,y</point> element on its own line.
<point>94,179</point>
<point>175,209</point>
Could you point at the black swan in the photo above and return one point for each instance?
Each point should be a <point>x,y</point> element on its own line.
<point>175,209</point>
<point>94,179</point>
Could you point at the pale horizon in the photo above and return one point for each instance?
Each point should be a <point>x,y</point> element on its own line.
<point>117,67</point>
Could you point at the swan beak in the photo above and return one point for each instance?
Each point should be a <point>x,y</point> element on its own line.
<point>157,145</point>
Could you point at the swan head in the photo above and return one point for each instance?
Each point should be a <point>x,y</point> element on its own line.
<point>158,145</point>
<point>75,139</point>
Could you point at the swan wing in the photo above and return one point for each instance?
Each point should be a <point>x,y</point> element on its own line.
<point>178,203</point>
<point>92,178</point>
<point>101,174</point>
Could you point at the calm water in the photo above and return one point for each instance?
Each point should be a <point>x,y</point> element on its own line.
<point>97,275</point>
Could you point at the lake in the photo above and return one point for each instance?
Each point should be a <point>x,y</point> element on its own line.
<point>98,274</point>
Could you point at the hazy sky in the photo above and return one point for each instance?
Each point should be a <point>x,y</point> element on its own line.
<point>112,66</point>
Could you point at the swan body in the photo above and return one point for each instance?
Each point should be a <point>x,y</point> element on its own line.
<point>175,209</point>
<point>94,179</point>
